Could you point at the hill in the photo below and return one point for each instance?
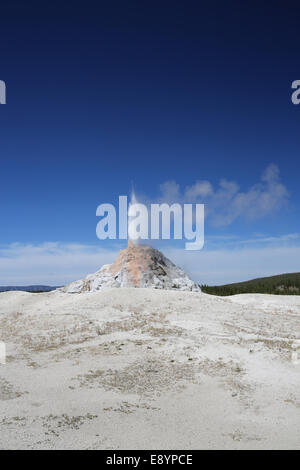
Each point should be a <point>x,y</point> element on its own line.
<point>283,284</point>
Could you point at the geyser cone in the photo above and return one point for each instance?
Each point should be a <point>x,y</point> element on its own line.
<point>136,266</point>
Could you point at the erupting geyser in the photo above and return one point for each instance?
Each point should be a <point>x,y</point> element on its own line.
<point>136,266</point>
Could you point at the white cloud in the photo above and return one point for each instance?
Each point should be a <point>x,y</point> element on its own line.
<point>229,241</point>
<point>58,263</point>
<point>227,265</point>
<point>227,202</point>
<point>271,173</point>
<point>199,189</point>
<point>50,263</point>
<point>169,192</point>
<point>279,239</point>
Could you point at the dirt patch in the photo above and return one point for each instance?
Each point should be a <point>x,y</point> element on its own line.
<point>142,377</point>
<point>7,391</point>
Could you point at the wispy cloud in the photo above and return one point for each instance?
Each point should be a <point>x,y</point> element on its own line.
<point>227,265</point>
<point>271,240</point>
<point>227,202</point>
<point>230,241</point>
<point>234,260</point>
<point>50,263</point>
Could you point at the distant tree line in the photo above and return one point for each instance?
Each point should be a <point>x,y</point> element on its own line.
<point>283,284</point>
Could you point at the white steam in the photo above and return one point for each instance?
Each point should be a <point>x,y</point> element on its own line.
<point>137,220</point>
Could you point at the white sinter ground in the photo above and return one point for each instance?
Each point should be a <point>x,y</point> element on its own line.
<point>149,369</point>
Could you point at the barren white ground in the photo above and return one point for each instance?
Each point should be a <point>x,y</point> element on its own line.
<point>149,369</point>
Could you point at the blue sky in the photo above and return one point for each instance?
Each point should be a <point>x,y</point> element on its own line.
<point>169,96</point>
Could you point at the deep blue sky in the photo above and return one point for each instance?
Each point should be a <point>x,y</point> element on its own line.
<point>102,94</point>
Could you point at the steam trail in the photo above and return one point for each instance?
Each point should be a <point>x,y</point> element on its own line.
<point>133,200</point>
